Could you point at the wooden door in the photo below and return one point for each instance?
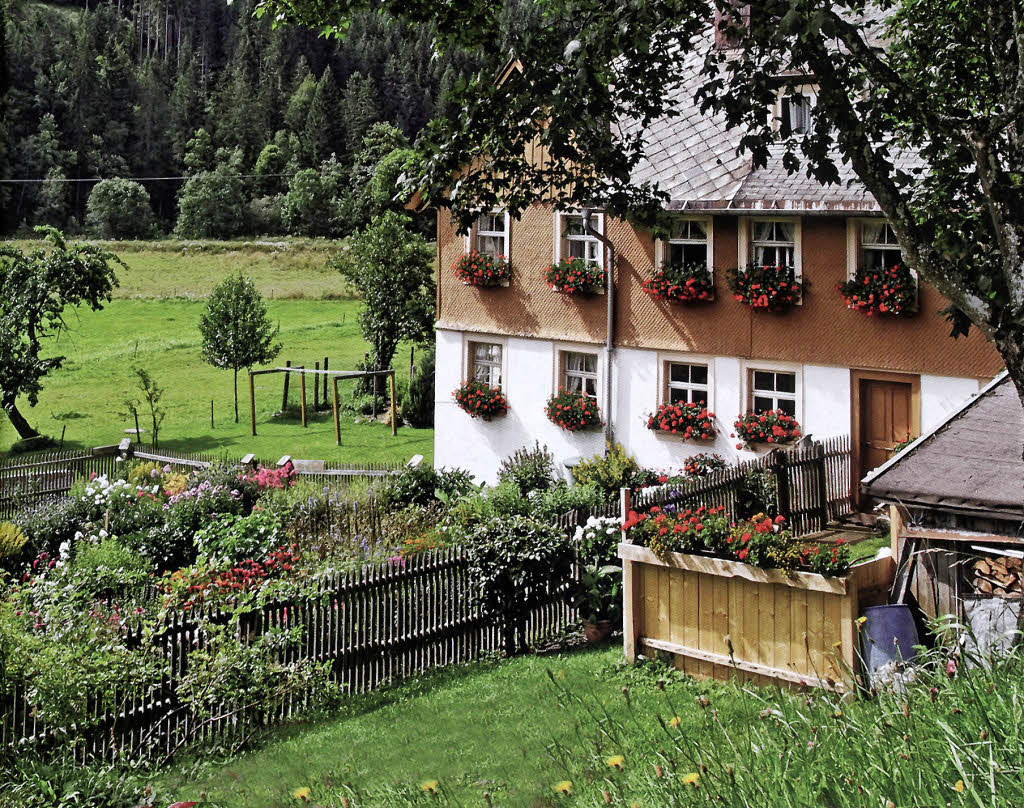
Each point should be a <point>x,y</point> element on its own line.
<point>886,418</point>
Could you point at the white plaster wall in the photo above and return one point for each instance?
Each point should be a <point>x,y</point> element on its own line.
<point>826,401</point>
<point>940,395</point>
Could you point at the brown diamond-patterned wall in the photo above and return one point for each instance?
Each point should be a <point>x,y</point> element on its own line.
<point>821,331</point>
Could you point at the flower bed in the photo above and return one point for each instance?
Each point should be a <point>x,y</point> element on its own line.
<point>688,419</point>
<point>482,269</point>
<point>768,288</point>
<point>890,291</point>
<point>573,276</point>
<point>700,465</point>
<point>573,411</point>
<point>675,283</point>
<point>481,400</point>
<point>774,427</point>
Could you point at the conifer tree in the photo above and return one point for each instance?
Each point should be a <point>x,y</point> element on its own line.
<point>360,110</point>
<point>322,136</point>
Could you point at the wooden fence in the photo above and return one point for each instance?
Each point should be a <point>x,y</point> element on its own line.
<point>373,626</point>
<point>811,482</point>
<point>47,477</point>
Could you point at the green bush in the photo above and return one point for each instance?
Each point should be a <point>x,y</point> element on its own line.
<point>50,524</point>
<point>418,401</point>
<point>421,485</point>
<point>12,544</point>
<point>613,470</point>
<point>529,469</point>
<point>106,569</point>
<point>119,208</point>
<point>231,537</point>
<point>517,562</point>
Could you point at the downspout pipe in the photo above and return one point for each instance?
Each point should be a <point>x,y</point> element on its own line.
<point>609,326</point>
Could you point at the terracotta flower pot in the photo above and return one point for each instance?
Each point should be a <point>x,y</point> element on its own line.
<point>597,632</point>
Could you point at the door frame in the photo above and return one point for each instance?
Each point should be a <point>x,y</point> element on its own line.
<point>858,376</point>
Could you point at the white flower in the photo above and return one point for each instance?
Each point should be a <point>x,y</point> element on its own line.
<point>103,534</point>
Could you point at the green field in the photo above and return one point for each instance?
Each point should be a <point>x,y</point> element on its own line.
<point>154,323</point>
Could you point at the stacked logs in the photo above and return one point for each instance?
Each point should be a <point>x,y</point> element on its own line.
<point>999,576</point>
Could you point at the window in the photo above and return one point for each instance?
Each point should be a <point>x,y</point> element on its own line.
<point>485,363</point>
<point>774,243</point>
<point>579,373</point>
<point>491,237</point>
<point>577,242</point>
<point>687,243</point>
<point>879,247</point>
<point>686,382</point>
<point>773,390</point>
<point>795,114</point>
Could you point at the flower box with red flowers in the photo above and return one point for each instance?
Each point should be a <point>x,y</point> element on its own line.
<point>771,427</point>
<point>680,283</point>
<point>767,288</point>
<point>573,411</point>
<point>481,400</point>
<point>482,269</point>
<point>574,276</point>
<point>891,291</point>
<point>689,420</point>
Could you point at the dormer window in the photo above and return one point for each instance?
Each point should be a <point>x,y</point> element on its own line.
<point>795,117</point>
<point>879,247</point>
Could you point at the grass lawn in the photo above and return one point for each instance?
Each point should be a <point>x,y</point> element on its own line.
<point>161,334</point>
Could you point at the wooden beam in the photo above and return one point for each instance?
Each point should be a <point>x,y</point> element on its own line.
<point>337,418</point>
<point>394,409</point>
<point>252,400</point>
<point>953,535</point>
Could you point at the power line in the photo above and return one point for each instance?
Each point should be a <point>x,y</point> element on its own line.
<point>135,179</point>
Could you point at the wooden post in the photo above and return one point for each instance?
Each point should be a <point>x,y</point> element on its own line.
<point>252,401</point>
<point>630,628</point>
<point>896,525</point>
<point>211,413</point>
<point>284,398</point>
<point>337,420</point>
<point>779,464</point>
<point>819,474</point>
<point>316,387</point>
<point>302,388</point>
<point>394,410</point>
<point>325,381</point>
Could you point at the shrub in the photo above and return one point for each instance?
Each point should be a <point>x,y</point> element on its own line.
<point>231,537</point>
<point>758,493</point>
<point>50,524</point>
<point>890,291</point>
<point>517,562</point>
<point>771,288</point>
<point>12,544</point>
<point>573,411</point>
<point>773,426</point>
<point>421,485</point>
<point>613,470</point>
<point>106,569</point>
<point>529,469</point>
<point>480,400</point>
<point>119,208</point>
<point>700,465</point>
<point>675,283</point>
<point>478,269</point>
<point>561,498</point>
<point>688,419</point>
<point>572,276</point>
<point>598,539</point>
<point>210,583</point>
<point>418,403</point>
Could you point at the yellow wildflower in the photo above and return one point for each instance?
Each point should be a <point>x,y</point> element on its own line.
<point>429,785</point>
<point>861,621</point>
<point>675,721</point>
<point>564,787</point>
<point>615,761</point>
<point>301,793</point>
<point>959,785</point>
<point>691,779</point>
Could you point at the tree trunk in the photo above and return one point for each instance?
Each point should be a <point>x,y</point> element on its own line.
<point>236,395</point>
<point>23,427</point>
<point>1012,352</point>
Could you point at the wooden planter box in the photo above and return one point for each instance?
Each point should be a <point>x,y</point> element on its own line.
<point>722,618</point>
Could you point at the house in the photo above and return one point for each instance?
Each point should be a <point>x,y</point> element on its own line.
<point>956,494</point>
<point>879,379</point>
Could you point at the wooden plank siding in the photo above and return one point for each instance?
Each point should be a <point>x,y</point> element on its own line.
<point>720,619</point>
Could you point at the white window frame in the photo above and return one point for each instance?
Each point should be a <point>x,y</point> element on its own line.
<point>468,340</point>
<point>661,244</point>
<point>562,348</point>
<point>854,244</point>
<point>472,236</point>
<point>774,367</point>
<point>745,242</point>
<point>561,246</point>
<point>775,113</point>
<point>664,376</point>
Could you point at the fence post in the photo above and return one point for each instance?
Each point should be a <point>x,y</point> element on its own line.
<point>124,449</point>
<point>284,396</point>
<point>629,591</point>
<point>819,476</point>
<point>780,468</point>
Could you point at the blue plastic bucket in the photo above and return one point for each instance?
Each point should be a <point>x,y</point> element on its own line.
<point>889,636</point>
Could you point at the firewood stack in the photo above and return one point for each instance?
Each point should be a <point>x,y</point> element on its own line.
<point>998,576</point>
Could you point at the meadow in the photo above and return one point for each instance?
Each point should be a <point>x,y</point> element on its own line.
<point>153,323</point>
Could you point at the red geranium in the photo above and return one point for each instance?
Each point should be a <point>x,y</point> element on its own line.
<point>769,287</point>
<point>573,411</point>
<point>481,400</point>
<point>482,269</point>
<point>680,283</point>
<point>688,419</point>
<point>572,276</point>
<point>881,291</point>
<point>773,426</point>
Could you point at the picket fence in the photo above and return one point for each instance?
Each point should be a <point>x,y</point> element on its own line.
<point>47,477</point>
<point>812,484</point>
